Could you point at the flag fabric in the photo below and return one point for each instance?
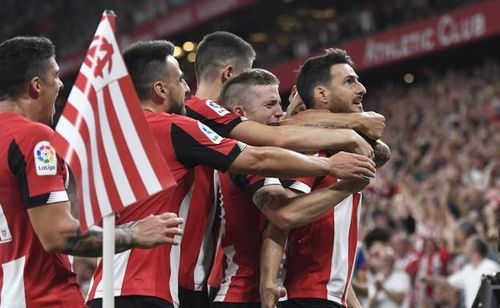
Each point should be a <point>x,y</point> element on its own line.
<point>103,136</point>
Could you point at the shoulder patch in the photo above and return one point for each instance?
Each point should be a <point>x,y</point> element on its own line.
<point>45,158</point>
<point>217,108</point>
<point>213,136</point>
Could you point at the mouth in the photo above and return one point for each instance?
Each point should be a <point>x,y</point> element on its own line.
<point>273,124</point>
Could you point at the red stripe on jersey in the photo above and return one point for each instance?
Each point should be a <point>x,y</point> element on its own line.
<point>195,257</point>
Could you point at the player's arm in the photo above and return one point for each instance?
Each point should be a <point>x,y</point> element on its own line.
<point>196,143</point>
<point>288,210</point>
<point>370,124</point>
<point>273,245</point>
<point>59,232</point>
<point>352,299</point>
<point>301,138</point>
<point>282,163</point>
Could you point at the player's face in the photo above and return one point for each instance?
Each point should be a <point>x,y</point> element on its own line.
<point>50,85</point>
<point>266,105</point>
<point>345,92</point>
<point>177,87</point>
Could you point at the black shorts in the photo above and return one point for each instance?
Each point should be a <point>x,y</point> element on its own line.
<point>193,299</point>
<point>134,301</point>
<point>310,303</point>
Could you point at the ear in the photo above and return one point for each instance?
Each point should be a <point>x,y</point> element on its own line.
<point>227,73</point>
<point>34,87</point>
<point>160,92</point>
<point>239,111</point>
<point>320,95</point>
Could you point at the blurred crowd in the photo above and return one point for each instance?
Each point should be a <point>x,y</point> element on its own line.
<point>441,188</point>
<point>71,24</point>
<point>291,37</point>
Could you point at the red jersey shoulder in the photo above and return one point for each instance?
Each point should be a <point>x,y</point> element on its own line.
<point>33,140</point>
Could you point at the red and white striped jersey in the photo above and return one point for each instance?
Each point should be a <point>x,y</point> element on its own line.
<point>184,143</point>
<point>197,255</point>
<point>31,175</point>
<point>320,256</point>
<point>243,225</point>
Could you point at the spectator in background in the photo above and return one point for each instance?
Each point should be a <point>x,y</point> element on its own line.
<point>468,279</point>
<point>388,287</point>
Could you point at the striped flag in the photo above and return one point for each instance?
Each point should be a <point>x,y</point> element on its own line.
<point>103,136</point>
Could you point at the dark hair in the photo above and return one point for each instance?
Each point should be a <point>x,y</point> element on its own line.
<point>479,245</point>
<point>21,59</point>
<point>467,227</point>
<point>316,71</point>
<point>233,90</point>
<point>146,64</point>
<point>218,49</point>
<point>376,235</point>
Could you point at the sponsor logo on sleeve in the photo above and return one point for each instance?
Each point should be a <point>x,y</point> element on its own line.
<point>45,158</point>
<point>213,136</point>
<point>217,108</point>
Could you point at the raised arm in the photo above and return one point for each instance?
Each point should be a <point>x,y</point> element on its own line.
<point>59,232</point>
<point>301,138</point>
<point>370,124</point>
<point>281,163</point>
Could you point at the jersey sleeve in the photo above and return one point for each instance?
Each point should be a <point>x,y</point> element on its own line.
<point>301,185</point>
<point>218,118</point>
<point>197,144</point>
<point>250,183</point>
<point>39,171</point>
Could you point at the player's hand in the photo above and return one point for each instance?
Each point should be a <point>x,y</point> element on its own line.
<point>351,166</point>
<point>269,296</point>
<point>155,230</point>
<point>372,125</point>
<point>361,146</point>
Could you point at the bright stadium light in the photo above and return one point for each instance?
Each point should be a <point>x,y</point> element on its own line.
<point>191,57</point>
<point>409,78</point>
<point>178,52</point>
<point>188,46</point>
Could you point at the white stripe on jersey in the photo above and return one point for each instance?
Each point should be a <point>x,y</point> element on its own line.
<point>175,252</point>
<point>206,253</point>
<point>230,271</point>
<point>12,295</point>
<point>301,187</point>
<point>338,272</point>
<point>120,263</point>
<point>57,196</point>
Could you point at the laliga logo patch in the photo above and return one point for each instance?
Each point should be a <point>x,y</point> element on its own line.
<point>45,158</point>
<point>213,136</point>
<point>217,108</point>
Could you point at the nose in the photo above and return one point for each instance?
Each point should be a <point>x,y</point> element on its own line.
<point>362,89</point>
<point>61,84</point>
<point>278,113</point>
<point>187,90</point>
